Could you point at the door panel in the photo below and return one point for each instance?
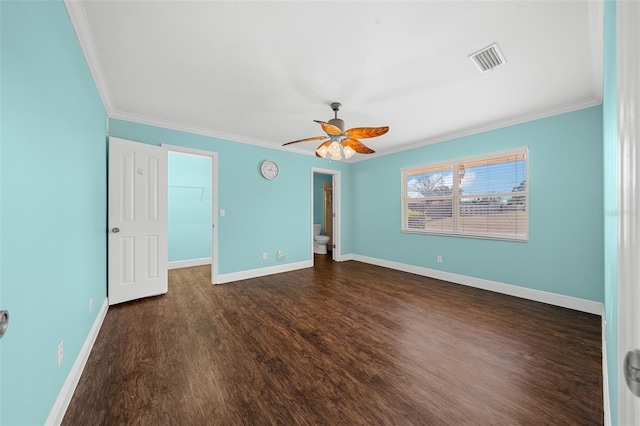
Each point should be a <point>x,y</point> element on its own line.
<point>137,220</point>
<point>628,92</point>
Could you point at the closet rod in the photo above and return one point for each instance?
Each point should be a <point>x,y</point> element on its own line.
<point>190,187</point>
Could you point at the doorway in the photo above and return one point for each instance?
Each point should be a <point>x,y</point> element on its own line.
<point>193,200</point>
<point>325,209</point>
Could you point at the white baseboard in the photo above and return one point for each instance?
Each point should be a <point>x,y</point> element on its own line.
<point>261,272</point>
<point>346,257</point>
<point>188,263</point>
<point>68,388</point>
<point>605,375</point>
<point>570,302</point>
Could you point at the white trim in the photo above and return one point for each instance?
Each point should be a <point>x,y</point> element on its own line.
<point>164,124</point>
<point>481,128</point>
<point>68,388</point>
<point>214,200</point>
<point>189,151</point>
<point>605,374</point>
<point>346,257</point>
<point>78,16</point>
<point>188,263</point>
<point>261,272</point>
<point>570,302</point>
<point>562,109</point>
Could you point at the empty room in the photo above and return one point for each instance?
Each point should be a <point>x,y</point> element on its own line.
<point>319,212</point>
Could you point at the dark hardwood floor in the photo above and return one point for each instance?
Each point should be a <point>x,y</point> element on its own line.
<point>340,343</point>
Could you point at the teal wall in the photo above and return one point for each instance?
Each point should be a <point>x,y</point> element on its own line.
<point>564,254</point>
<point>318,197</point>
<point>261,215</point>
<point>610,125</point>
<point>189,207</point>
<point>53,205</point>
<point>1,137</point>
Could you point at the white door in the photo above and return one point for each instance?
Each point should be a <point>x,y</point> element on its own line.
<point>137,220</point>
<point>628,63</point>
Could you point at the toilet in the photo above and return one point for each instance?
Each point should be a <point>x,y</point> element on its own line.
<point>319,241</point>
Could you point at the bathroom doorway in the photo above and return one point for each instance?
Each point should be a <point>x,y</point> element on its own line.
<point>327,206</point>
<point>325,210</point>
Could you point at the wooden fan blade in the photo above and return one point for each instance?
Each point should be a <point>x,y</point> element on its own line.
<point>327,143</point>
<point>367,132</point>
<point>357,146</point>
<point>315,138</point>
<point>329,128</point>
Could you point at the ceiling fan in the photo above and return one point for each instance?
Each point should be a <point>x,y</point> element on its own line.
<point>339,142</point>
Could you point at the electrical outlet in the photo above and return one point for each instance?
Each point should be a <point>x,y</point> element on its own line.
<point>264,256</point>
<point>91,305</point>
<point>60,352</point>
<point>439,259</point>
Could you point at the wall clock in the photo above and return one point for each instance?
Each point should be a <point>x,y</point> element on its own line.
<point>269,169</point>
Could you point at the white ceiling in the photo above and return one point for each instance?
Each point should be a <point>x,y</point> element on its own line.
<point>261,71</point>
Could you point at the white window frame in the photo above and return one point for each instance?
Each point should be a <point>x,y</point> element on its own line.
<point>405,172</point>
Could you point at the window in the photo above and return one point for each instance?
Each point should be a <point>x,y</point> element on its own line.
<point>484,197</point>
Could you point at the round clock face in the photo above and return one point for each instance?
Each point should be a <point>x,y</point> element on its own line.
<point>269,169</point>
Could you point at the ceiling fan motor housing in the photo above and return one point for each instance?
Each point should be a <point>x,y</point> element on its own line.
<point>335,106</point>
<point>339,123</point>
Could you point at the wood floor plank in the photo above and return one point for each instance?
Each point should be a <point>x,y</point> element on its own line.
<point>340,343</point>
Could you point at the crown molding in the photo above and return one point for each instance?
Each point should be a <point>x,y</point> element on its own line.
<point>80,22</point>
<point>511,121</point>
<point>170,125</point>
<point>494,125</point>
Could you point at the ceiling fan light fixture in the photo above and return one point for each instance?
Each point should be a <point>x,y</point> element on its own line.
<point>334,149</point>
<point>336,156</point>
<point>322,150</point>
<point>348,151</point>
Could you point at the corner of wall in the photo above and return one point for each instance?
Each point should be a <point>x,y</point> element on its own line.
<point>68,388</point>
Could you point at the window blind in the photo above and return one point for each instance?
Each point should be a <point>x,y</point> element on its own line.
<point>483,196</point>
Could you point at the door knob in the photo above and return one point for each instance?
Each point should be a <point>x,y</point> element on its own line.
<point>4,322</point>
<point>115,230</point>
<point>632,371</point>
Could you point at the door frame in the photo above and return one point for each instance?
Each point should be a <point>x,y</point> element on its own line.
<point>337,220</point>
<point>214,199</point>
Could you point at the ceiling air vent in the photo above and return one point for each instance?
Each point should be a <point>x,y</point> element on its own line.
<point>488,58</point>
